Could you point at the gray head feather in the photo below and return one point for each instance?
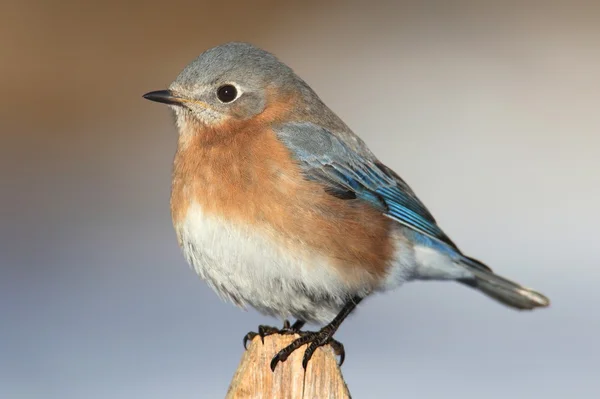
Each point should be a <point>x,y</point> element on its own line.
<point>234,61</point>
<point>253,71</point>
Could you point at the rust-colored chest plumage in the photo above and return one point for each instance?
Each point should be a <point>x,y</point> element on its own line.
<point>251,179</point>
<point>248,181</point>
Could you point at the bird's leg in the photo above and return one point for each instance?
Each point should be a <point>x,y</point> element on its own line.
<point>317,339</point>
<point>265,331</point>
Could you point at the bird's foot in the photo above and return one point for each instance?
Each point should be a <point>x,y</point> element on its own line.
<point>265,331</point>
<point>314,341</point>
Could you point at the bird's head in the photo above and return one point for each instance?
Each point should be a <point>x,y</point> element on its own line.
<point>232,82</point>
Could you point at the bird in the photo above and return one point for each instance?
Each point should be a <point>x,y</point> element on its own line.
<point>278,205</point>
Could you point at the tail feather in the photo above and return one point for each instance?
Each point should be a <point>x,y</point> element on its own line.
<point>501,289</point>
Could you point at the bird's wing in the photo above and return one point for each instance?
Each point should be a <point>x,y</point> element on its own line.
<point>347,174</point>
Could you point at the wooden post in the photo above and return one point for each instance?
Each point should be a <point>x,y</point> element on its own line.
<point>254,378</point>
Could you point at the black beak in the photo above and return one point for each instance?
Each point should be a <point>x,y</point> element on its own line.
<point>164,96</point>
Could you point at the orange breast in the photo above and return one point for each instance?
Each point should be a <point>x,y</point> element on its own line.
<point>247,176</point>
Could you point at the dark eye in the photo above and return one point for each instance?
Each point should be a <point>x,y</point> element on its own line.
<point>227,93</point>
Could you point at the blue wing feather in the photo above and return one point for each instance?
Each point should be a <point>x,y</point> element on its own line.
<point>326,158</point>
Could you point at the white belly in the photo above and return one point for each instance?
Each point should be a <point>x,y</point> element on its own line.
<point>246,266</point>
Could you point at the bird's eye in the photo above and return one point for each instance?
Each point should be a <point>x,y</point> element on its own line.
<point>227,93</point>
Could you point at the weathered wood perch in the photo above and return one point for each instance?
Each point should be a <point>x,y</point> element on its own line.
<point>254,378</point>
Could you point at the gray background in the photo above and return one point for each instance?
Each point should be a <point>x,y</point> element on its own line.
<point>489,111</point>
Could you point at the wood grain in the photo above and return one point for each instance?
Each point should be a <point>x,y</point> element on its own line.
<point>254,378</point>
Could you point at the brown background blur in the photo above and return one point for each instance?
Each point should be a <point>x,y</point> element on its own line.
<point>488,109</point>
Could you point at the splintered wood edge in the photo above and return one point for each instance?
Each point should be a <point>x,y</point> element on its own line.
<point>254,378</point>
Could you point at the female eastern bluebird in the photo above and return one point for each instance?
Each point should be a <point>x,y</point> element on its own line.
<point>277,204</point>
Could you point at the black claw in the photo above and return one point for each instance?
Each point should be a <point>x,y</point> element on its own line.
<point>274,362</point>
<point>314,340</point>
<point>287,351</point>
<point>265,331</point>
<point>308,354</point>
<point>338,349</point>
<point>249,337</point>
<point>320,340</point>
<point>317,339</point>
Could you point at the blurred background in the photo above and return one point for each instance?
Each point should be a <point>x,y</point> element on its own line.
<point>488,109</point>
